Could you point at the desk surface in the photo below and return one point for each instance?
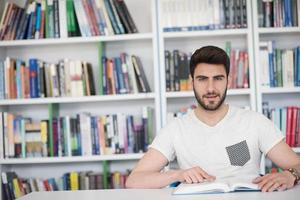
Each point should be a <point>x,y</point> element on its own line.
<point>159,194</point>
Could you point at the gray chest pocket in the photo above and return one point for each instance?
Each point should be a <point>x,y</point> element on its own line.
<point>238,153</point>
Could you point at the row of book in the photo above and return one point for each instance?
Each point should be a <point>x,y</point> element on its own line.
<point>41,79</point>
<point>278,13</point>
<point>279,67</point>
<point>178,69</point>
<point>65,18</point>
<point>123,75</point>
<point>191,15</point>
<point>81,135</point>
<point>287,119</point>
<point>70,78</point>
<point>15,187</point>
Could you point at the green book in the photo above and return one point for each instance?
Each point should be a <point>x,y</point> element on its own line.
<point>53,110</point>
<point>278,54</point>
<point>71,26</point>
<point>228,48</point>
<point>105,174</point>
<point>100,55</point>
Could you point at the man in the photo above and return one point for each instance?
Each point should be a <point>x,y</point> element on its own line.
<point>215,140</point>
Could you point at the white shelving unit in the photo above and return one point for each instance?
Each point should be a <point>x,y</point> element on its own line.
<point>285,37</point>
<point>189,42</point>
<point>143,44</point>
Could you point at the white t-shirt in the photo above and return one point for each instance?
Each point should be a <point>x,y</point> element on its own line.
<point>232,147</point>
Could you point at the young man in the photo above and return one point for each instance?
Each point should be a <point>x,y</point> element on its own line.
<point>216,140</point>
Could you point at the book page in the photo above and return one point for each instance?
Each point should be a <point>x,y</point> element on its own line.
<point>242,183</point>
<point>206,187</point>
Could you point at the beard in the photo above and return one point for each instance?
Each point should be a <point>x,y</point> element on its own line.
<point>212,105</point>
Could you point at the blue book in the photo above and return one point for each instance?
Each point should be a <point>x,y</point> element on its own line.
<point>130,133</point>
<point>288,13</point>
<point>120,76</point>
<point>28,32</point>
<point>297,66</point>
<point>38,21</point>
<point>2,81</point>
<point>33,70</point>
<point>52,182</point>
<point>271,63</point>
<point>112,17</point>
<point>96,135</point>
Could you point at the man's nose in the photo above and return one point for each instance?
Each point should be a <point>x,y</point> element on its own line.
<point>210,86</point>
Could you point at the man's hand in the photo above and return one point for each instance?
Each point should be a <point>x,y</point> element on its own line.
<point>195,175</point>
<point>275,181</point>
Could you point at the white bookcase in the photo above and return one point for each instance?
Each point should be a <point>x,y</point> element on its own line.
<point>149,45</point>
<point>143,44</point>
<point>190,41</point>
<point>285,38</point>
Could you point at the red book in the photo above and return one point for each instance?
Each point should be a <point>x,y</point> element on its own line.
<point>289,125</point>
<point>246,68</point>
<point>298,128</point>
<point>293,126</point>
<point>92,16</point>
<point>27,83</point>
<point>46,185</point>
<point>42,31</point>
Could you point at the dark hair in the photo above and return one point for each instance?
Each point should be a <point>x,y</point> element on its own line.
<point>209,55</point>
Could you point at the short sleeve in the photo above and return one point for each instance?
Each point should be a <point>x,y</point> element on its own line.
<point>163,142</point>
<point>269,135</point>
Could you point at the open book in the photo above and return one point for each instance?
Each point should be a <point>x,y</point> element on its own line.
<point>219,185</point>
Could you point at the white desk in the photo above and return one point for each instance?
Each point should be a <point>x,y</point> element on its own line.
<point>159,194</point>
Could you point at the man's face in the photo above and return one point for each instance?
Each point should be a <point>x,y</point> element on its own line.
<point>210,85</point>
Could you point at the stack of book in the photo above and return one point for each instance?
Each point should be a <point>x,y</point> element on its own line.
<point>287,119</point>
<point>41,79</point>
<point>278,13</point>
<point>71,78</point>
<point>123,75</point>
<point>65,18</point>
<point>193,15</point>
<point>14,186</point>
<point>279,67</point>
<point>82,135</point>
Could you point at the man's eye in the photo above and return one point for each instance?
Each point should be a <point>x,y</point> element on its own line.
<point>219,78</point>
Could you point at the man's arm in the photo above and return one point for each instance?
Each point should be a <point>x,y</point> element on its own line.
<point>147,173</point>
<point>284,157</point>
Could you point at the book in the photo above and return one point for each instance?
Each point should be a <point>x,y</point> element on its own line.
<point>220,185</point>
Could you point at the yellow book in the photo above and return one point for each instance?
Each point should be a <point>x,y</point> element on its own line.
<point>44,133</point>
<point>17,189</point>
<point>74,181</point>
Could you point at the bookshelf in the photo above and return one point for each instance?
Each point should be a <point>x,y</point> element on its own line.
<point>143,44</point>
<point>187,42</point>
<point>149,44</point>
<point>285,38</point>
